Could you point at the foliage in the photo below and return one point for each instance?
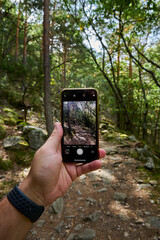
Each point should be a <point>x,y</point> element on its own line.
<point>110,45</point>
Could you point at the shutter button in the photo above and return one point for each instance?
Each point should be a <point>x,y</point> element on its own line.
<point>79,151</point>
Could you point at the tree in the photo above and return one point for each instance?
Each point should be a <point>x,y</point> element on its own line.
<point>46,63</point>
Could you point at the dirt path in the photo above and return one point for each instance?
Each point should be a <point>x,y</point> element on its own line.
<point>113,203</point>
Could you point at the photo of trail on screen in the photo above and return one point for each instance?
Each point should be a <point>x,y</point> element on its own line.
<point>79,122</point>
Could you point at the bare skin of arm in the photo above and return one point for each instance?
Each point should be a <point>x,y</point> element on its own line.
<point>49,178</point>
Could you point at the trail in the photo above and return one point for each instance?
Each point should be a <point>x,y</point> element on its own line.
<point>112,203</point>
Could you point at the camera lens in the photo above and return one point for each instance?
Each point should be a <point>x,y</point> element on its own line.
<point>74,95</point>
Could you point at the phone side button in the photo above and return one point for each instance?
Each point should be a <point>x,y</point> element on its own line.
<point>79,151</point>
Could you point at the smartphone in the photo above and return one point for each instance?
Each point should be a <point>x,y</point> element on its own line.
<point>79,117</point>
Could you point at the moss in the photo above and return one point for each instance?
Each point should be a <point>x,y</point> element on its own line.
<point>22,124</point>
<point>5,164</point>
<point>1,120</point>
<point>23,158</point>
<point>10,121</point>
<point>9,111</point>
<point>2,132</point>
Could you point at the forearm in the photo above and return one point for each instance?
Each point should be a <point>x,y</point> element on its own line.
<point>13,224</point>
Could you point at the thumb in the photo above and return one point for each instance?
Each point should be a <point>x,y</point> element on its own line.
<point>56,136</point>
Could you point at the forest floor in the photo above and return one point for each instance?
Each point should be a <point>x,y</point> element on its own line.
<point>114,203</point>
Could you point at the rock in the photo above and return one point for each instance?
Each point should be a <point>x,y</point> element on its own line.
<point>102,190</point>
<point>153,182</point>
<point>57,206</point>
<point>150,164</point>
<point>86,234</point>
<point>118,196</point>
<point>10,121</point>
<point>154,221</point>
<point>52,238</point>
<point>139,221</point>
<point>143,153</point>
<point>35,136</point>
<point>59,227</point>
<point>142,186</point>
<point>91,200</point>
<point>140,181</point>
<point>92,217</point>
<point>132,138</point>
<point>79,192</point>
<point>111,150</point>
<point>15,143</point>
<point>78,227</point>
<point>82,178</point>
<point>126,234</point>
<point>71,237</point>
<point>41,223</point>
<point>107,176</point>
<point>123,217</point>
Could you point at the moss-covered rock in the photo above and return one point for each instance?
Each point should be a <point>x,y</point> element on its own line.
<point>10,117</point>
<point>15,143</point>
<point>2,132</point>
<point>10,121</point>
<point>10,112</point>
<point>35,136</point>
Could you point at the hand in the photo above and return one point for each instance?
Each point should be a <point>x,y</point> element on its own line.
<point>49,178</point>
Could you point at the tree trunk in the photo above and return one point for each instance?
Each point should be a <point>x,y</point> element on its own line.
<point>64,64</point>
<point>46,65</point>
<point>24,88</point>
<point>145,113</point>
<point>17,35</point>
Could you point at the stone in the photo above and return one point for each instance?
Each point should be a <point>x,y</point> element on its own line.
<point>71,237</point>
<point>111,150</point>
<point>15,143</point>
<point>102,190</point>
<point>57,206</point>
<point>153,182</point>
<point>132,138</point>
<point>79,192</point>
<point>52,238</point>
<point>139,221</point>
<point>91,200</point>
<point>154,221</point>
<point>82,177</point>
<point>78,227</point>
<point>41,223</point>
<point>59,227</point>
<point>150,164</point>
<point>92,217</point>
<point>140,181</point>
<point>35,136</point>
<point>123,217</point>
<point>107,176</point>
<point>86,234</point>
<point>143,186</point>
<point>126,234</point>
<point>118,196</point>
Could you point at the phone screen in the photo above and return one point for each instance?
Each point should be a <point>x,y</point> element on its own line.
<point>79,121</point>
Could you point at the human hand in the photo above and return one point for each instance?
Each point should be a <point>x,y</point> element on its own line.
<point>49,177</point>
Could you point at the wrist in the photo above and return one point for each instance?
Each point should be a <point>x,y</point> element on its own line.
<point>28,189</point>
